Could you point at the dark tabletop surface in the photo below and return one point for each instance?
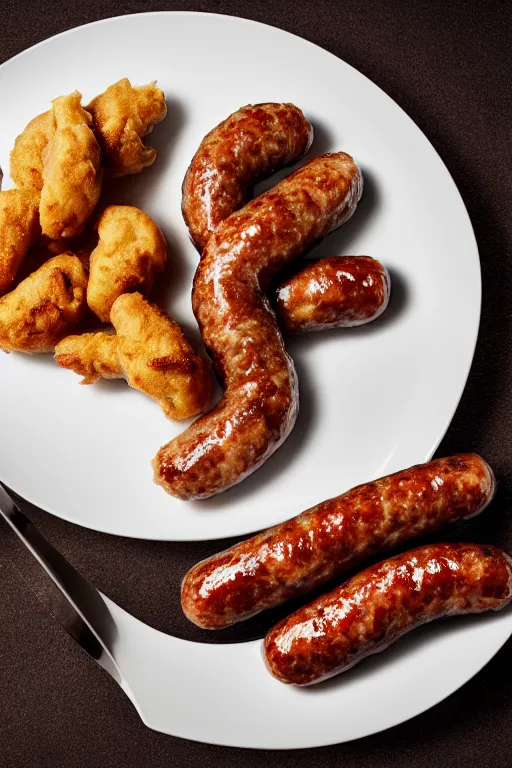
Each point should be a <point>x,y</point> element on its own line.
<point>449,66</point>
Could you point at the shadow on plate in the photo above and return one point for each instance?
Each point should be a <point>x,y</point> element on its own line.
<point>133,190</point>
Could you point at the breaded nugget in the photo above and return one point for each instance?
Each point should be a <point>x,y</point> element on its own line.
<point>157,358</point>
<point>43,308</point>
<point>122,115</point>
<point>27,155</point>
<point>91,355</point>
<point>150,351</point>
<point>19,228</point>
<point>131,249</point>
<point>71,171</point>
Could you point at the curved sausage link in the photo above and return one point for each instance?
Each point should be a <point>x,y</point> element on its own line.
<point>260,403</point>
<point>339,292</point>
<point>251,143</point>
<point>384,602</point>
<point>335,536</point>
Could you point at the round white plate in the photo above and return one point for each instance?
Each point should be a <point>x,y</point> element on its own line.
<point>373,400</point>
<point>222,694</point>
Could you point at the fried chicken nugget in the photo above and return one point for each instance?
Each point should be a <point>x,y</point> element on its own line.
<point>158,360</point>
<point>122,116</point>
<point>150,351</point>
<point>91,355</point>
<point>44,307</point>
<point>71,170</point>
<point>19,229</point>
<point>131,249</point>
<point>27,155</point>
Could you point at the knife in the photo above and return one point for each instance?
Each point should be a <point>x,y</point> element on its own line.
<point>65,593</point>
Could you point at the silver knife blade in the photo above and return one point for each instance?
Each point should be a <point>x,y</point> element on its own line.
<point>65,593</point>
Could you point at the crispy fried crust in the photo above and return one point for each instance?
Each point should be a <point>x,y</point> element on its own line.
<point>122,116</point>
<point>158,360</point>
<point>19,228</point>
<point>43,308</point>
<point>27,155</point>
<point>131,249</point>
<point>91,355</point>
<point>71,171</point>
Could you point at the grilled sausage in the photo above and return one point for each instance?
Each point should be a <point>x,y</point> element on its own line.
<point>339,292</point>
<point>251,143</point>
<point>336,535</point>
<point>384,602</point>
<point>260,404</point>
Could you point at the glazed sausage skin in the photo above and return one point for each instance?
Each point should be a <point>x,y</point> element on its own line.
<point>294,557</point>
<point>339,292</point>
<point>260,403</point>
<point>251,143</point>
<point>383,603</point>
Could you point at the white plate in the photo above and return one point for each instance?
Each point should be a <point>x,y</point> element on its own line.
<point>374,400</point>
<point>222,694</point>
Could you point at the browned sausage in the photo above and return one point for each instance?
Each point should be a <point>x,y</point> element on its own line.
<point>384,602</point>
<point>336,535</point>
<point>259,407</point>
<point>339,292</point>
<point>251,143</point>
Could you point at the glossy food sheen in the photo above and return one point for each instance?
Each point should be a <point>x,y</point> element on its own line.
<point>383,603</point>
<point>260,404</point>
<point>251,143</point>
<point>339,292</point>
<point>336,535</point>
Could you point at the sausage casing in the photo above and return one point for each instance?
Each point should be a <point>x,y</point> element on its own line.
<point>260,404</point>
<point>338,292</point>
<point>251,143</point>
<point>294,557</point>
<point>384,602</point>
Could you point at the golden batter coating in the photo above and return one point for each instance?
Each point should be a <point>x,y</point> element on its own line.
<point>43,308</point>
<point>158,360</point>
<point>27,155</point>
<point>91,355</point>
<point>122,116</point>
<point>43,250</point>
<point>131,249</point>
<point>19,228</point>
<point>150,351</point>
<point>71,170</point>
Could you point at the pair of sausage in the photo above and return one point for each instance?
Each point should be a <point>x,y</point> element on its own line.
<point>380,604</point>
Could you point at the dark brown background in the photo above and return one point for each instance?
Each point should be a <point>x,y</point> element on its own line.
<point>449,66</point>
